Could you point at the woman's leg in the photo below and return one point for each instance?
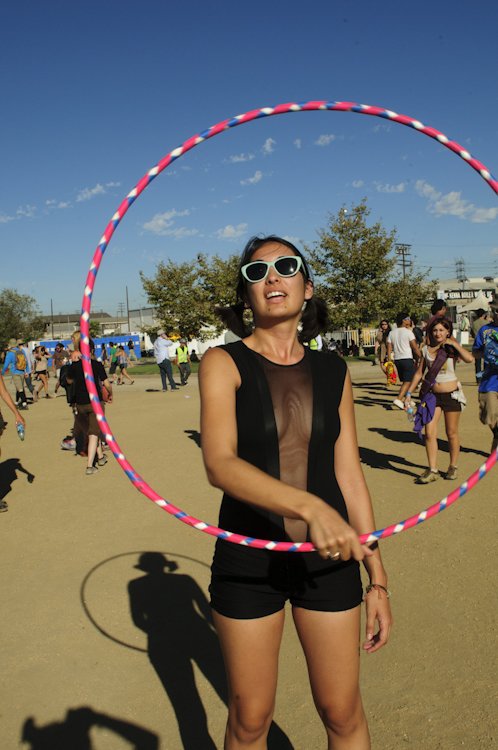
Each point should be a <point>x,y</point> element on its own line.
<point>330,641</point>
<point>451,421</point>
<point>431,439</point>
<point>250,652</point>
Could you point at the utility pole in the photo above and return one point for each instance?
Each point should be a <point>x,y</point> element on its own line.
<point>460,272</point>
<point>404,252</point>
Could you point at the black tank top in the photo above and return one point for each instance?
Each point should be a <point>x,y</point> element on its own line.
<point>287,426</point>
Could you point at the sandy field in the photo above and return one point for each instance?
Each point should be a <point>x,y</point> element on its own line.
<point>77,668</point>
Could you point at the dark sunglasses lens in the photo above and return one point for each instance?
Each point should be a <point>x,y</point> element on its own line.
<point>256,271</point>
<point>287,266</point>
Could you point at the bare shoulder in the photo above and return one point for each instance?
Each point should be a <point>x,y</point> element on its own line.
<point>217,363</point>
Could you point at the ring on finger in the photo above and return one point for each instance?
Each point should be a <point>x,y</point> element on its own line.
<point>333,555</point>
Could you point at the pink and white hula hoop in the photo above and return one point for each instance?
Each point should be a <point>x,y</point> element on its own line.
<point>133,476</point>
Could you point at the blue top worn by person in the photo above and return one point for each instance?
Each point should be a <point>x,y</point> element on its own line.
<point>10,361</point>
<point>486,341</point>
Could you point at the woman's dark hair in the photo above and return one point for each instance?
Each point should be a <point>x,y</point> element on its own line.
<point>446,323</point>
<point>315,315</point>
<point>387,324</point>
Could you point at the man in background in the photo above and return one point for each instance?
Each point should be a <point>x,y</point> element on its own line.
<point>162,345</point>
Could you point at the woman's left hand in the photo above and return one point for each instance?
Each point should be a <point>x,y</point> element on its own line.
<point>378,610</point>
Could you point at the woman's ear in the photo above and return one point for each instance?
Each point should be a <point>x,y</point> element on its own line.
<point>308,289</point>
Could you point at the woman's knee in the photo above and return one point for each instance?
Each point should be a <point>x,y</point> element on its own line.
<point>249,720</point>
<point>343,719</point>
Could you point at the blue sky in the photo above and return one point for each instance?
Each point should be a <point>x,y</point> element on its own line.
<point>96,93</point>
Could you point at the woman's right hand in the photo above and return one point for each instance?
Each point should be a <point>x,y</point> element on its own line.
<point>331,534</point>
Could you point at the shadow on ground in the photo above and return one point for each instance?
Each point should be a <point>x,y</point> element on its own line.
<point>194,435</point>
<point>400,436</point>
<point>73,733</point>
<point>8,475</point>
<point>389,461</point>
<point>172,610</point>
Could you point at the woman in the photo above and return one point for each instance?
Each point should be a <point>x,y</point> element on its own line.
<point>123,365</point>
<point>278,436</point>
<point>380,349</point>
<point>40,368</point>
<point>439,358</point>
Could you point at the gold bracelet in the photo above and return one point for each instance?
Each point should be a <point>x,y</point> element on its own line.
<point>372,586</point>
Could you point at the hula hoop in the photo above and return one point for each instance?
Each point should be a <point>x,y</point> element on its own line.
<point>133,476</point>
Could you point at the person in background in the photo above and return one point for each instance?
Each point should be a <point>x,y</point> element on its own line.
<point>481,319</point>
<point>403,349</point>
<point>438,310</point>
<point>486,348</point>
<point>380,345</point>
<point>449,399</point>
<point>183,360</point>
<point>15,363</point>
<point>113,360</point>
<point>123,366</point>
<point>162,345</point>
<point>194,356</point>
<point>60,358</point>
<point>40,370</point>
<point>85,413</point>
<point>103,355</point>
<point>316,343</point>
<point>131,351</point>
<point>417,331</point>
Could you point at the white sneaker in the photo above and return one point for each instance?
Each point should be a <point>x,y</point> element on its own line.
<point>397,402</point>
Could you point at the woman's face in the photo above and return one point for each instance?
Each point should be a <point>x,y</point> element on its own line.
<point>277,296</point>
<point>440,333</point>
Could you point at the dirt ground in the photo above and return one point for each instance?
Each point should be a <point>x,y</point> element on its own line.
<point>76,663</point>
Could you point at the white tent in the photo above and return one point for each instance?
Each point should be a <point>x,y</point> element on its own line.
<point>481,301</point>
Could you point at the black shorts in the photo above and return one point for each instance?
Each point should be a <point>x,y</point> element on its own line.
<point>447,403</point>
<point>248,583</point>
<point>112,368</point>
<point>406,369</point>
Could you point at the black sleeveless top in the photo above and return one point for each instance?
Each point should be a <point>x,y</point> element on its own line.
<point>287,426</point>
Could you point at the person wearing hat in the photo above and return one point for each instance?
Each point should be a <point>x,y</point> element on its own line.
<point>162,346</point>
<point>15,363</point>
<point>486,348</point>
<point>183,360</point>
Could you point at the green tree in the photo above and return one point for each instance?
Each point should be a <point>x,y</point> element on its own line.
<point>95,329</point>
<point>357,273</point>
<point>219,279</point>
<point>186,294</point>
<point>19,317</point>
<point>176,293</point>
